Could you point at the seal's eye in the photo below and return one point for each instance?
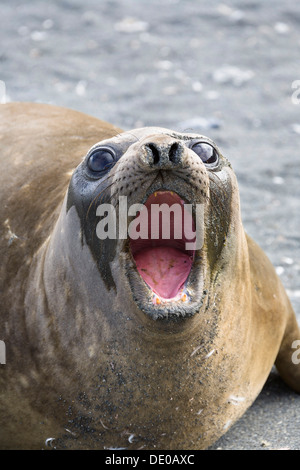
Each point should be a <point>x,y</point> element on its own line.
<point>206,152</point>
<point>101,159</point>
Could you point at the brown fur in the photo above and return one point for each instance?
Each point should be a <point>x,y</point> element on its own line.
<point>84,364</point>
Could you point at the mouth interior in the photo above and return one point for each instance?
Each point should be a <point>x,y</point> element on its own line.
<point>159,251</point>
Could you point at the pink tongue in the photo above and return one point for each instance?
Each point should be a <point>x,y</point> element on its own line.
<point>164,269</point>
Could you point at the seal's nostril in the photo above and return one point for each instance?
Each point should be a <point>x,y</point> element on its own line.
<point>173,152</point>
<point>163,155</point>
<point>155,153</point>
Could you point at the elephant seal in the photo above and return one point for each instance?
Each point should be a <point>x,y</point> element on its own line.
<point>125,341</point>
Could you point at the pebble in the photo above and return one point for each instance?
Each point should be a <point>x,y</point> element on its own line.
<point>163,65</point>
<point>131,25</point>
<point>197,87</point>
<point>48,23</point>
<point>38,36</point>
<point>295,294</point>
<point>281,28</point>
<point>279,270</point>
<point>278,180</point>
<point>265,444</point>
<point>232,75</point>
<point>231,13</point>
<point>296,128</point>
<point>287,260</point>
<point>212,95</point>
<point>80,88</point>
<point>200,123</point>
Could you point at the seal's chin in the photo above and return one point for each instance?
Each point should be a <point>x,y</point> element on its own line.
<point>161,251</point>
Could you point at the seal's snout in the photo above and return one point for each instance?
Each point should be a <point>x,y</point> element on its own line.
<point>162,154</point>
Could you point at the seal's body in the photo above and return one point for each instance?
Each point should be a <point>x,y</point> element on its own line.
<point>121,342</point>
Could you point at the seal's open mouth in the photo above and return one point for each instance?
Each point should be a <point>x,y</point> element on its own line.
<point>159,244</point>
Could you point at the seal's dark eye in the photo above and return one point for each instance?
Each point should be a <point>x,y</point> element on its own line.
<point>206,152</point>
<point>101,159</point>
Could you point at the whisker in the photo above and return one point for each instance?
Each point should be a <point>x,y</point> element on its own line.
<point>109,200</point>
<point>98,195</point>
<point>101,181</point>
<point>187,179</point>
<point>217,203</point>
<point>130,133</point>
<point>221,206</point>
<point>127,132</point>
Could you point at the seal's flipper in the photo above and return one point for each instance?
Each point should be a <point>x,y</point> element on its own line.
<point>288,358</point>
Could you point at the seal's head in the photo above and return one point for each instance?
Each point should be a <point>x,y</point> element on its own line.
<point>159,202</point>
